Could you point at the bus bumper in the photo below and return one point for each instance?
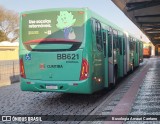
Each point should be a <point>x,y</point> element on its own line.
<point>82,87</point>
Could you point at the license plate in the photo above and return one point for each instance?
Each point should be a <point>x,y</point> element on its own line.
<point>52,87</point>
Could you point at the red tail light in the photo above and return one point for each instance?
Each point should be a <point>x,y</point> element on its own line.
<point>84,70</point>
<point>22,72</point>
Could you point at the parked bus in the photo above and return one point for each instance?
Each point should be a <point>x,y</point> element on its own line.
<point>74,51</point>
<point>147,52</point>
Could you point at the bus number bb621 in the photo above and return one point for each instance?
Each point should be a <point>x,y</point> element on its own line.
<point>67,56</point>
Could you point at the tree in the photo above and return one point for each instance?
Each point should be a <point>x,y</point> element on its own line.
<point>9,23</point>
<point>3,36</point>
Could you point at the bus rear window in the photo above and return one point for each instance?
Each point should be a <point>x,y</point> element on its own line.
<point>65,25</point>
<point>51,44</point>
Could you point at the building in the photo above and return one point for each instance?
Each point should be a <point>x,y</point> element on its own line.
<point>8,50</point>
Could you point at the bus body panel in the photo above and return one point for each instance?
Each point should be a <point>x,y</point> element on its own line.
<point>56,86</point>
<point>98,59</point>
<point>53,65</point>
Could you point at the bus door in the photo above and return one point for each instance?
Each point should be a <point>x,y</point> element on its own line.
<point>121,57</point>
<point>128,53</point>
<point>110,57</point>
<point>137,52</point>
<point>125,54</point>
<point>105,51</point>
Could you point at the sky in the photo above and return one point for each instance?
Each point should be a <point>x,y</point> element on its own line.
<point>105,8</point>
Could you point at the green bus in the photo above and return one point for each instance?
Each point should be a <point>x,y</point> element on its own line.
<point>73,50</point>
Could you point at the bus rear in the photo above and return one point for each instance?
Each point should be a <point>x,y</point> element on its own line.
<point>146,52</point>
<point>52,51</point>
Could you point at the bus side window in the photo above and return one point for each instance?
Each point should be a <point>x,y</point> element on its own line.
<point>104,42</point>
<point>124,46</point>
<point>109,45</point>
<point>115,39</point>
<point>137,47</point>
<point>120,45</point>
<point>99,36</point>
<point>93,25</point>
<point>132,46</point>
<point>117,43</point>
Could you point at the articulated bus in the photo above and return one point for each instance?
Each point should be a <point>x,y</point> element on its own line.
<point>74,50</point>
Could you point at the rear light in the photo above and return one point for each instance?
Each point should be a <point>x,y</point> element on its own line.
<point>22,71</point>
<point>84,70</point>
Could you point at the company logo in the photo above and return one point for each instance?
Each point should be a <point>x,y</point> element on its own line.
<point>54,66</point>
<point>42,66</point>
<point>6,118</point>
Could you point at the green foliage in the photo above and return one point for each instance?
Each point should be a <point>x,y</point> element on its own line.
<point>65,19</point>
<point>9,24</point>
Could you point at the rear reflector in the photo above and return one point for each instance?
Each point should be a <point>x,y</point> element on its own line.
<point>22,71</point>
<point>84,70</point>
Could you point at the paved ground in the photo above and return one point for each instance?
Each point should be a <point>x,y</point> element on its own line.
<point>146,102</point>
<point>9,71</point>
<point>14,101</point>
<point>148,98</point>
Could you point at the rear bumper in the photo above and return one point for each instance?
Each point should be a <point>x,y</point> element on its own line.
<point>82,87</point>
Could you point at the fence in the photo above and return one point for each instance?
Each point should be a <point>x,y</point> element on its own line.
<point>9,72</point>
